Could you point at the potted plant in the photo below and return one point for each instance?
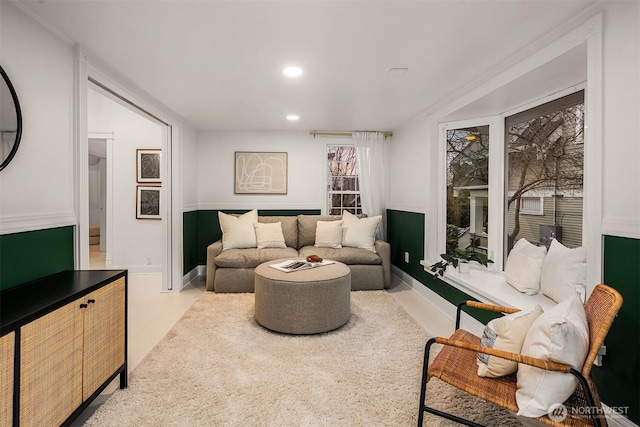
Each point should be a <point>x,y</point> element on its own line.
<point>460,259</point>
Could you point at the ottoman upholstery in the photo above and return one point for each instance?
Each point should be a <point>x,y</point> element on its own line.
<point>303,302</point>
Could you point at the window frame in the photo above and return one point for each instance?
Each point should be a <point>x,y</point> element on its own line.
<point>326,208</point>
<point>588,36</point>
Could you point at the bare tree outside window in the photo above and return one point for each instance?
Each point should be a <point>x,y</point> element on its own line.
<point>343,188</point>
<point>467,188</point>
<point>545,155</point>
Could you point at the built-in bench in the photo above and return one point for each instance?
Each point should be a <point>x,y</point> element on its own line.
<point>491,287</point>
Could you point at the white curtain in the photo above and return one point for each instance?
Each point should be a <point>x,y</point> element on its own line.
<point>371,158</point>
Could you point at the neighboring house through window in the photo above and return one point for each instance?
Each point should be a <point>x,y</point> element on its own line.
<point>542,163</point>
<point>343,189</point>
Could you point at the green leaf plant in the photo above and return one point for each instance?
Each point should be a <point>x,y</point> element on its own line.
<point>457,257</point>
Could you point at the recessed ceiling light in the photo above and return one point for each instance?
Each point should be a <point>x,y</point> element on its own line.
<point>293,117</point>
<point>292,71</point>
<point>398,71</point>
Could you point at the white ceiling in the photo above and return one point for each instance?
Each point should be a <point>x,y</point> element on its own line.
<point>218,64</point>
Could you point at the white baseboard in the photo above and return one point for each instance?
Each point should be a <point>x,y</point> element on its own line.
<point>199,270</point>
<point>140,269</point>
<point>617,421</point>
<point>436,301</point>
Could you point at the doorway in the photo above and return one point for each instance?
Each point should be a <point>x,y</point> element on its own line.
<point>118,234</point>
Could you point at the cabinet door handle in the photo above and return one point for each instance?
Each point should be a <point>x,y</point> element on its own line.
<point>83,306</point>
<point>91,301</point>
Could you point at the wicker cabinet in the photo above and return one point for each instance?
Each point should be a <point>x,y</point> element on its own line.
<point>70,349</point>
<point>7,354</point>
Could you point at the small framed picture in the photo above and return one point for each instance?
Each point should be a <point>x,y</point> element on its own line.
<point>148,165</point>
<point>148,202</point>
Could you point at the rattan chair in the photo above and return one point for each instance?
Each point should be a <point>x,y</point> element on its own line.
<point>456,365</point>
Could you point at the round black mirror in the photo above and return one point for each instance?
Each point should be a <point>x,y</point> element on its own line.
<point>10,121</point>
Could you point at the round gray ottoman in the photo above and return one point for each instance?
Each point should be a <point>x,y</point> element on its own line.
<point>303,302</point>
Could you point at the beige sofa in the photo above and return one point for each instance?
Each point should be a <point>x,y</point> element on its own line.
<point>232,270</point>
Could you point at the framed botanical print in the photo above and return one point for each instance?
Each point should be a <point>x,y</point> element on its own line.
<point>148,165</point>
<point>148,202</point>
<point>260,172</point>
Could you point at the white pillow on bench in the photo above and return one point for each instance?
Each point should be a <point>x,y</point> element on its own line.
<point>524,266</point>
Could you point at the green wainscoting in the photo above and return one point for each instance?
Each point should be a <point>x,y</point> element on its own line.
<point>618,380</point>
<point>34,254</point>
<point>189,241</point>
<point>405,233</point>
<point>208,228</point>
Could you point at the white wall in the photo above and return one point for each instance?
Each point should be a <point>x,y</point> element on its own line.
<point>36,188</point>
<point>306,165</point>
<point>137,243</point>
<point>409,166</point>
<point>189,158</point>
<point>621,136</point>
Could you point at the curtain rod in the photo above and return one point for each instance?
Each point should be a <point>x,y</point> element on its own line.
<point>344,134</point>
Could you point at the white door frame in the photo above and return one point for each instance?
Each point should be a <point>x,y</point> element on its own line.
<point>107,233</point>
<point>87,69</point>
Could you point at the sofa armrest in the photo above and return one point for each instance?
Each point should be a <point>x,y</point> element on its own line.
<point>384,250</point>
<point>213,250</point>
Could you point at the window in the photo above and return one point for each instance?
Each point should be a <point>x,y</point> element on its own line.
<point>467,188</point>
<point>513,177</point>
<point>545,163</point>
<point>531,205</point>
<point>343,189</point>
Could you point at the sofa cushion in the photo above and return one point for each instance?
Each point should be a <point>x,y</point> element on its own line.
<point>238,231</point>
<point>328,234</point>
<point>349,256</point>
<point>269,235</point>
<point>289,228</point>
<point>360,232</point>
<point>307,227</point>
<point>251,258</point>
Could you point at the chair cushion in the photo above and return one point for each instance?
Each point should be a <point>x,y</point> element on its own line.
<point>269,235</point>
<point>564,271</point>
<point>505,333</point>
<point>328,234</point>
<point>360,232</point>
<point>238,232</point>
<point>561,334</point>
<point>524,266</point>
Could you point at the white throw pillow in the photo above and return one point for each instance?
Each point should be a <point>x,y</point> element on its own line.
<point>269,235</point>
<point>560,334</point>
<point>238,232</point>
<point>360,232</point>
<point>329,234</point>
<point>564,271</point>
<point>524,266</point>
<point>505,333</point>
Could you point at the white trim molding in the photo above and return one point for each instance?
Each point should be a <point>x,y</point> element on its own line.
<point>621,227</point>
<point>33,222</point>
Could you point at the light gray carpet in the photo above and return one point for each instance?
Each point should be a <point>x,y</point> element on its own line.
<point>218,367</point>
